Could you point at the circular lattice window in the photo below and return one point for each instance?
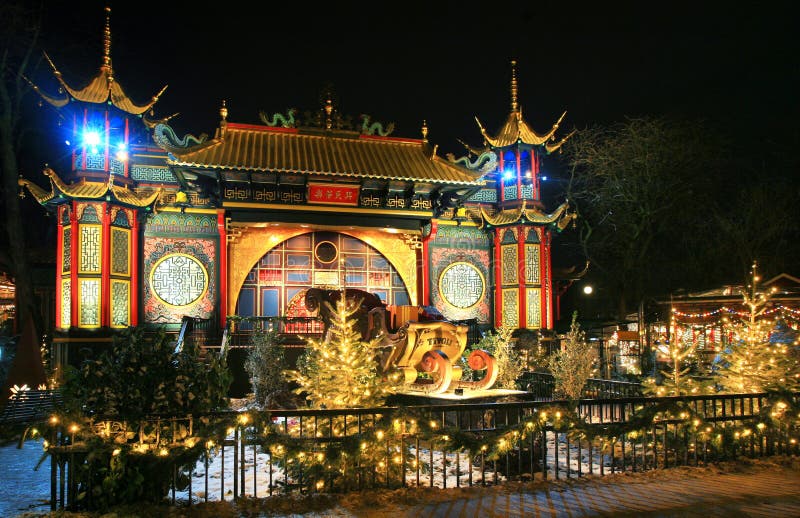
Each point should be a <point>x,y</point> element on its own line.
<point>461,285</point>
<point>326,252</point>
<point>179,280</point>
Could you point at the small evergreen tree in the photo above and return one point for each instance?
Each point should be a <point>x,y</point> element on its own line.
<point>752,363</point>
<point>676,379</point>
<point>264,365</point>
<point>509,363</point>
<point>573,364</point>
<point>340,371</point>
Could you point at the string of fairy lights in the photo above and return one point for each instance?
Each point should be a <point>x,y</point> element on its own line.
<point>721,316</point>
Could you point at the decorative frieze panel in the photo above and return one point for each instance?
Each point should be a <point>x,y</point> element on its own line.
<point>151,174</point>
<point>372,200</point>
<point>510,192</point>
<point>179,279</point>
<point>173,223</point>
<point>509,268</point>
<point>534,313</point>
<point>510,308</point>
<point>532,264</point>
<point>95,161</point>
<point>527,192</point>
<point>484,196</point>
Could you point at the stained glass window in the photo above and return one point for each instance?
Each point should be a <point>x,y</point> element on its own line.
<point>90,248</point>
<point>90,302</point>
<point>119,303</point>
<point>532,264</point>
<point>119,251</point>
<point>179,279</point>
<point>461,285</point>
<point>510,308</point>
<point>509,267</point>
<point>66,250</point>
<point>534,313</point>
<point>66,303</point>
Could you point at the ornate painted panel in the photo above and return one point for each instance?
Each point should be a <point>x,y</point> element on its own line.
<point>532,264</point>
<point>461,249</point>
<point>89,302</point>
<point>66,250</point>
<point>534,313</point>
<point>510,308</point>
<point>90,250</point>
<point>462,285</point>
<point>180,278</point>
<point>66,303</point>
<point>120,251</point>
<point>509,268</point>
<point>120,303</point>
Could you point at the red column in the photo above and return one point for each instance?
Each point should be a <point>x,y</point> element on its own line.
<point>544,260</point>
<point>519,176</point>
<point>73,275</point>
<point>501,169</point>
<point>105,268</point>
<point>108,143</point>
<point>425,288</point>
<point>59,264</point>
<point>523,293</point>
<point>125,165</point>
<point>135,288</point>
<point>535,173</point>
<point>223,267</point>
<point>498,280</point>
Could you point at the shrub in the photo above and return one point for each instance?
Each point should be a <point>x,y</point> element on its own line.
<point>573,365</point>
<point>264,365</point>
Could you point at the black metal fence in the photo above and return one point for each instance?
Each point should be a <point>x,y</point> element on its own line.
<point>542,385</point>
<point>260,454</point>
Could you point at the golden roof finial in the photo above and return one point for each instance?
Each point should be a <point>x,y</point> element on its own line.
<point>424,130</point>
<point>223,111</point>
<point>107,40</point>
<point>513,85</point>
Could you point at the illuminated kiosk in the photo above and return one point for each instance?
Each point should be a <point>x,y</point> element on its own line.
<point>153,227</point>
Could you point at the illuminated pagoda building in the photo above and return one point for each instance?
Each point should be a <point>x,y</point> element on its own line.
<point>153,227</point>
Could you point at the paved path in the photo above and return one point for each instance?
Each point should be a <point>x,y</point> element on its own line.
<point>769,493</point>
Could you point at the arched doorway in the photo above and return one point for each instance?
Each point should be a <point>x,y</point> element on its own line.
<point>276,284</point>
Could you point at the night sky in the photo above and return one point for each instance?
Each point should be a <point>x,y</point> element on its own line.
<point>736,66</point>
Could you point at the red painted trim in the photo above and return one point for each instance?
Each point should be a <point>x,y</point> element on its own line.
<point>519,175</point>
<point>550,322</point>
<point>501,169</point>
<point>83,146</point>
<point>73,275</point>
<point>126,164</point>
<point>59,265</point>
<point>260,127</point>
<point>108,143</point>
<point>523,294</point>
<point>223,267</point>
<point>105,268</point>
<point>135,288</point>
<point>545,262</point>
<point>498,281</point>
<point>426,267</point>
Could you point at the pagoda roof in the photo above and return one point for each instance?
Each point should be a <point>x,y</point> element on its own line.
<point>102,88</point>
<point>516,130</point>
<point>522,213</point>
<point>89,190</point>
<point>328,153</point>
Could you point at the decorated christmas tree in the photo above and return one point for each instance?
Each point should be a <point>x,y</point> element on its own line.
<point>753,363</point>
<point>340,371</point>
<point>676,380</point>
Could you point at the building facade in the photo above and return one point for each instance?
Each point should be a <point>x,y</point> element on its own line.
<point>153,227</point>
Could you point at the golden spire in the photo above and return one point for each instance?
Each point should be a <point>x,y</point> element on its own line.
<point>223,111</point>
<point>107,42</point>
<point>513,85</point>
<point>424,130</point>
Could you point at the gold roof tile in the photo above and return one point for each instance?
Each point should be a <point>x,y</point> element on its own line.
<point>288,150</point>
<point>533,215</point>
<point>89,190</point>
